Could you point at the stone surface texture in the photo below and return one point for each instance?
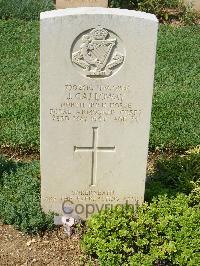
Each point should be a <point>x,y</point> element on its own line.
<point>195,4</point>
<point>97,72</point>
<point>81,3</point>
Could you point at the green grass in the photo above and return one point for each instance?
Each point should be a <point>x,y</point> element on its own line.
<point>176,104</point>
<point>19,82</point>
<point>24,9</point>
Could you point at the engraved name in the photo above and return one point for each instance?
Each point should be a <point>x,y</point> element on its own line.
<point>96,103</point>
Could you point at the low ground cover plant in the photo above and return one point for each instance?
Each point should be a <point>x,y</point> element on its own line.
<point>165,231</point>
<point>20,197</point>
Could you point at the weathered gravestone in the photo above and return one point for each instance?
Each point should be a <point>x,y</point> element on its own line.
<point>79,3</point>
<point>97,71</point>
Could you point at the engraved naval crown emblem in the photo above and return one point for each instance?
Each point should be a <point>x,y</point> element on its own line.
<point>98,54</point>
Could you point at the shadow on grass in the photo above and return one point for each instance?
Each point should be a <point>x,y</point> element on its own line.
<point>7,166</point>
<point>173,176</point>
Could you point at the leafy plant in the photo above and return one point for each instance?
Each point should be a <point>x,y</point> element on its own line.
<point>195,194</point>
<point>130,4</point>
<point>162,232</point>
<point>165,10</point>
<point>165,232</point>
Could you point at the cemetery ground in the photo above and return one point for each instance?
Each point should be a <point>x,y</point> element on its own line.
<point>174,163</point>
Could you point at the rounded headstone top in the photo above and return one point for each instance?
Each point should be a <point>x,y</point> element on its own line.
<point>97,10</point>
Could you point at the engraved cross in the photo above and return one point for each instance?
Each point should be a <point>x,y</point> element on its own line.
<point>94,150</point>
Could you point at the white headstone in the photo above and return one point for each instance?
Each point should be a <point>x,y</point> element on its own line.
<point>97,72</point>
